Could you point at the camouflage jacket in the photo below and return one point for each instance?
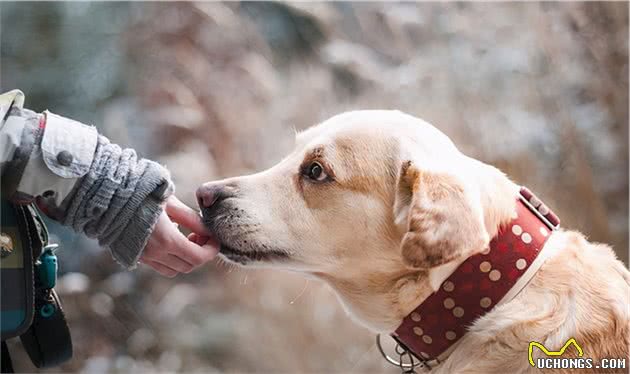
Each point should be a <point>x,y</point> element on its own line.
<point>79,178</point>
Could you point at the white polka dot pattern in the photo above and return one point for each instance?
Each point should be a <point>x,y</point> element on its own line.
<point>449,303</point>
<point>450,335</point>
<point>526,238</point>
<point>458,312</point>
<point>517,230</point>
<point>485,266</point>
<point>494,275</point>
<point>448,286</point>
<point>521,263</point>
<point>415,317</point>
<point>485,302</point>
<point>420,332</point>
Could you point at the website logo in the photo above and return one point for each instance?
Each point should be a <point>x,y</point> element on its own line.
<point>555,361</point>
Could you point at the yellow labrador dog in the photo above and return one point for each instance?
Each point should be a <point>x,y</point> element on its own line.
<point>385,209</point>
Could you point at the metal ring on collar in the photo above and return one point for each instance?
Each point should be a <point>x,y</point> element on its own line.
<point>409,366</point>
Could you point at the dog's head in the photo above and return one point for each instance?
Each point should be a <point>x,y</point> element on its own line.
<point>370,201</point>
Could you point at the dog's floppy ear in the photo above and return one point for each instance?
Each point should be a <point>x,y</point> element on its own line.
<point>442,220</point>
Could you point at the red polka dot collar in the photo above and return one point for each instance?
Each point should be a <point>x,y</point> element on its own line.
<point>482,281</point>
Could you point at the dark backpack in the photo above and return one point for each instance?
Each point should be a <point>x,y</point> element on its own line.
<point>30,308</point>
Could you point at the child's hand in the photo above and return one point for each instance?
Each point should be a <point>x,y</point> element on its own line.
<point>168,251</point>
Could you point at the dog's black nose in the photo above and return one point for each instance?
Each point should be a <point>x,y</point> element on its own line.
<point>211,193</point>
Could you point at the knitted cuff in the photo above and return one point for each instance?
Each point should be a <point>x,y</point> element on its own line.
<point>118,201</point>
<point>127,247</point>
<point>128,242</point>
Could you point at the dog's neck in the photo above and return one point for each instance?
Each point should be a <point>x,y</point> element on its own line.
<point>381,300</point>
<point>482,282</point>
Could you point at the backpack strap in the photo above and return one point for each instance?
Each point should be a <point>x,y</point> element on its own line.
<point>30,306</point>
<point>16,269</point>
<point>47,341</point>
<point>7,364</point>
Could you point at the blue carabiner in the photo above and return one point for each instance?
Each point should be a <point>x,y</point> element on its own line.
<point>47,267</point>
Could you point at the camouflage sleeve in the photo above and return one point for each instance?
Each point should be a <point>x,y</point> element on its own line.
<point>19,132</point>
<point>10,132</point>
<point>81,179</point>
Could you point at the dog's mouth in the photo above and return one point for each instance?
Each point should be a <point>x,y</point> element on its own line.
<point>236,244</point>
<point>246,257</point>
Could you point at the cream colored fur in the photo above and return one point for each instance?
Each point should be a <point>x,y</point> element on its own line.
<point>402,209</point>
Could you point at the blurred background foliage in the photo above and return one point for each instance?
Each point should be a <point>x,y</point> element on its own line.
<point>215,89</point>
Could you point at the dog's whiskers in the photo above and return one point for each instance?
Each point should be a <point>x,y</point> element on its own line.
<point>363,355</point>
<point>300,294</point>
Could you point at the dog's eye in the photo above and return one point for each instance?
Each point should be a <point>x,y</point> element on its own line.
<point>315,171</point>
